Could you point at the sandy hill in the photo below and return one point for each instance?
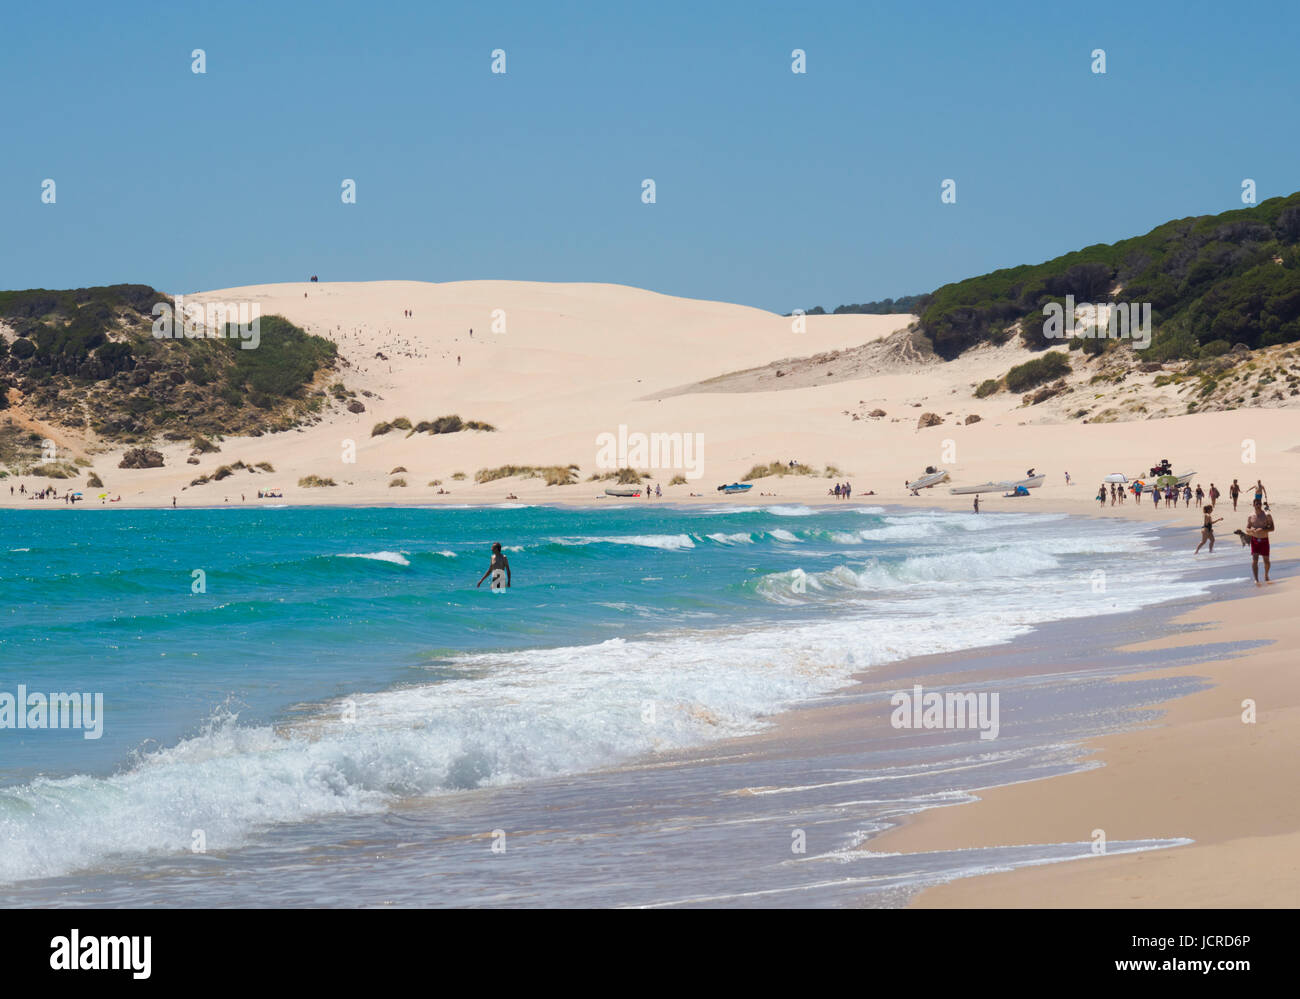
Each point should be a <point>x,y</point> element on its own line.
<point>572,361</point>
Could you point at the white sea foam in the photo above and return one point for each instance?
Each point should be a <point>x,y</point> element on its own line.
<point>397,558</point>
<point>517,716</point>
<point>666,541</point>
<point>731,539</point>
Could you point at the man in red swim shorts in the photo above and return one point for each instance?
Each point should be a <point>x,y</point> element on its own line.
<point>1258,526</point>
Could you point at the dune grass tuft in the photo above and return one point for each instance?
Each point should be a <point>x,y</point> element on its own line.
<point>555,475</point>
<point>779,468</point>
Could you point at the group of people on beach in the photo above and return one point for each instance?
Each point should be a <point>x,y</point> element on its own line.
<point>842,490</point>
<point>1259,523</point>
<point>48,493</point>
<point>1171,493</point>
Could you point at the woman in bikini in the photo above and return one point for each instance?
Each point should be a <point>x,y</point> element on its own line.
<point>1207,528</point>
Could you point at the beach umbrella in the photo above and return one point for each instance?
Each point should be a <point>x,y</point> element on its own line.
<point>1115,477</point>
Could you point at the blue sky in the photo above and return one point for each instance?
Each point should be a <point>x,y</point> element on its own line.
<point>773,189</point>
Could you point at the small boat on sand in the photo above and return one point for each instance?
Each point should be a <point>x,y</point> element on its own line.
<point>736,487</point>
<point>1033,482</point>
<point>931,478</point>
<point>624,493</point>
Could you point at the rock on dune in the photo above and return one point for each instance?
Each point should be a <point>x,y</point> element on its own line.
<point>141,457</point>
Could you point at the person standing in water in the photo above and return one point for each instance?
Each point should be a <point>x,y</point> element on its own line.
<point>1258,526</point>
<point>1234,491</point>
<point>498,568</point>
<point>1207,528</point>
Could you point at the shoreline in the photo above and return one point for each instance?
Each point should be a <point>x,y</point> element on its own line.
<point>1198,772</point>
<point>813,757</point>
<point>1012,814</point>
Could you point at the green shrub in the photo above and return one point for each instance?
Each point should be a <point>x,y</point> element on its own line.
<point>986,388</point>
<point>284,362</point>
<point>1022,377</point>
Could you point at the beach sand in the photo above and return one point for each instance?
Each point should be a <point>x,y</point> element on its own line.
<point>576,361</point>
<point>1200,772</point>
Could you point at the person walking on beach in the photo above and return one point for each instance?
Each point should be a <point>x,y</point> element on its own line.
<point>1067,478</point>
<point>977,502</point>
<point>498,568</point>
<point>1214,495</point>
<point>1200,496</point>
<point>1258,526</point>
<point>1101,494</point>
<point>1207,529</point>
<point>1137,491</point>
<point>1261,494</point>
<point>1234,491</point>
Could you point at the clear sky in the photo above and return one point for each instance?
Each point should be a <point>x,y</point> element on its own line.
<point>774,189</point>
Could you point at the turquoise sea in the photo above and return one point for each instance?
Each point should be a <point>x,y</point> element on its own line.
<point>296,679</point>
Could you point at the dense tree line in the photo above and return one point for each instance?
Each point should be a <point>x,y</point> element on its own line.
<point>1214,281</point>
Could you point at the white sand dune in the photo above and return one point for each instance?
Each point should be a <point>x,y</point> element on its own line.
<point>577,360</point>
